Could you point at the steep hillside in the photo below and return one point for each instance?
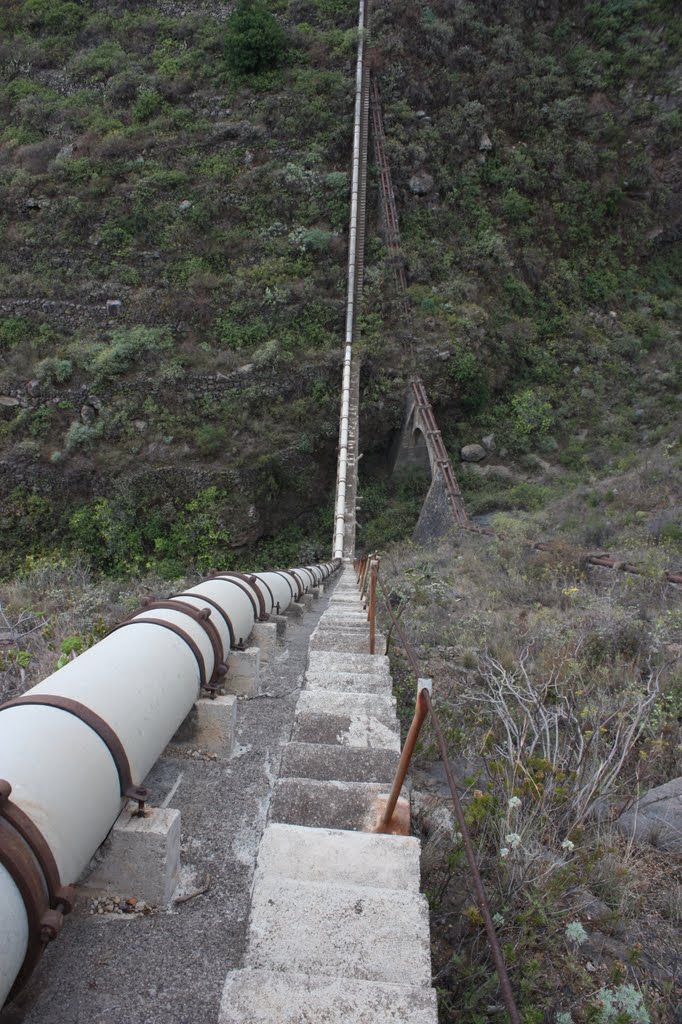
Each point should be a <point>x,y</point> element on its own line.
<point>173,272</point>
<point>535,152</point>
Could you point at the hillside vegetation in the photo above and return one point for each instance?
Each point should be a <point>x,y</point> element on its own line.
<point>142,163</point>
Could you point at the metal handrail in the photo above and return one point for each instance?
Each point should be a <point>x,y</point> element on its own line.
<point>424,707</point>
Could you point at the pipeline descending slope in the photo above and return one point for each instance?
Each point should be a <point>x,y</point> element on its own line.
<point>79,744</point>
<point>346,466</point>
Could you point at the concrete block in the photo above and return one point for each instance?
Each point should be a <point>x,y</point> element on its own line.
<point>317,928</point>
<point>209,726</point>
<point>295,610</point>
<point>264,636</point>
<point>264,997</point>
<point>140,857</point>
<point>346,858</point>
<point>243,672</point>
<point>307,600</point>
<point>281,623</point>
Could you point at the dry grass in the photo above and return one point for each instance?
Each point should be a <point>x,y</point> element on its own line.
<point>54,608</point>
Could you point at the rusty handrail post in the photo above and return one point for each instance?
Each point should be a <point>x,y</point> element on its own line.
<point>365,575</point>
<point>373,574</point>
<point>420,712</point>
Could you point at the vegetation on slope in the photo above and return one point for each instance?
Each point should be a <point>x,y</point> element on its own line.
<point>140,163</point>
<point>560,693</point>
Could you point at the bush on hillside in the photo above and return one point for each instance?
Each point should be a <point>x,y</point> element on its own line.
<point>254,41</point>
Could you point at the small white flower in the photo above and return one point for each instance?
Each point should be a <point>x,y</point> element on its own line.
<point>514,802</point>
<point>504,852</point>
<point>568,846</point>
<point>513,839</point>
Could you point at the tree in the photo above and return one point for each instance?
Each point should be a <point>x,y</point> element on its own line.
<point>255,41</point>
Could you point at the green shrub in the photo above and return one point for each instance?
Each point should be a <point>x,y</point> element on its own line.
<point>127,347</point>
<point>101,62</point>
<point>532,417</point>
<point>14,330</point>
<point>83,435</point>
<point>148,104</point>
<point>254,40</point>
<point>468,375</point>
<point>57,16</point>
<point>54,371</point>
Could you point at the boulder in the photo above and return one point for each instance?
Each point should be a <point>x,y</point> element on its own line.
<point>657,817</point>
<point>421,184</point>
<point>472,453</point>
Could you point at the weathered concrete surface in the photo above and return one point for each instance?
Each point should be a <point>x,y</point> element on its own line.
<point>328,661</point>
<point>352,728</point>
<point>657,817</point>
<point>348,682</point>
<point>331,855</point>
<point>329,762</point>
<point>318,804</point>
<point>170,967</point>
<point>270,997</point>
<point>140,856</point>
<point>303,927</point>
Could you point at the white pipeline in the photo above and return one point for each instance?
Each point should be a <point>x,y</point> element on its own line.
<point>341,476</point>
<point>141,682</point>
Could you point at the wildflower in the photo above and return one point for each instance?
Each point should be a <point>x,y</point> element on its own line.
<point>513,839</point>
<point>513,803</point>
<point>504,852</point>
<point>576,933</point>
<point>568,846</point>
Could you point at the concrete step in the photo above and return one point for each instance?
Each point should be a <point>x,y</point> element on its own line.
<point>347,662</point>
<point>347,930</point>
<point>355,806</point>
<point>337,641</point>
<point>354,613</point>
<point>253,996</point>
<point>329,762</point>
<point>346,858</point>
<point>350,682</point>
<point>351,719</point>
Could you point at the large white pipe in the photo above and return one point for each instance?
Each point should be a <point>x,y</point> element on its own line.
<point>342,469</point>
<point>142,681</point>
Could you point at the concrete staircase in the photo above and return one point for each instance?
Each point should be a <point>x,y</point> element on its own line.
<point>339,932</point>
